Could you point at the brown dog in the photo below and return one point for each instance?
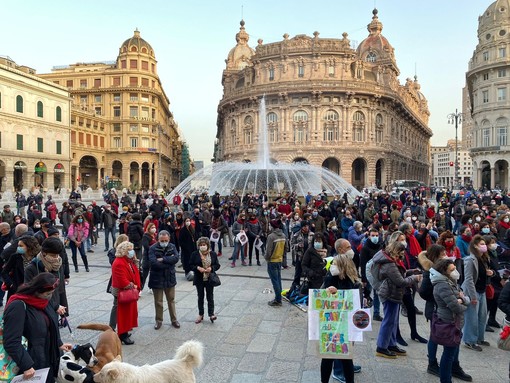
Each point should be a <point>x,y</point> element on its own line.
<point>108,345</point>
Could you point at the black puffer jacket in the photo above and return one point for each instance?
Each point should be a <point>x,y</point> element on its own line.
<point>135,234</point>
<point>426,290</point>
<point>504,301</point>
<point>162,260</point>
<point>314,267</point>
<point>391,274</point>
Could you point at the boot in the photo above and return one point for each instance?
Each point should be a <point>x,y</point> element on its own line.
<point>459,373</point>
<point>85,263</point>
<point>433,368</point>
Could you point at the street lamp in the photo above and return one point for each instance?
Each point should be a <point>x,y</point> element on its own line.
<point>456,118</point>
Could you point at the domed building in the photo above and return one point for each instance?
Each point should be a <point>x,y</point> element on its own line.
<point>122,127</point>
<point>488,100</point>
<point>326,104</point>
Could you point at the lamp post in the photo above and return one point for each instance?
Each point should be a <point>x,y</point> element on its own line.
<point>456,118</point>
<point>160,131</point>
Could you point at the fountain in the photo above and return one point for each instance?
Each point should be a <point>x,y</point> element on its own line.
<point>262,175</point>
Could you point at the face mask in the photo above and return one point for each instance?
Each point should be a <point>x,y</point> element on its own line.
<point>441,213</point>
<point>482,248</point>
<point>455,275</point>
<point>493,246</point>
<point>20,250</point>
<point>317,245</point>
<point>315,214</point>
<point>470,221</point>
<point>37,226</point>
<point>163,244</point>
<point>375,240</point>
<point>506,220</point>
<point>334,228</point>
<point>131,253</point>
<point>79,220</point>
<point>152,231</point>
<point>478,219</point>
<point>448,244</point>
<point>188,223</point>
<point>486,230</point>
<point>349,253</point>
<point>296,217</point>
<point>265,213</point>
<point>17,221</point>
<point>203,248</point>
<point>408,219</point>
<point>404,243</point>
<point>413,218</point>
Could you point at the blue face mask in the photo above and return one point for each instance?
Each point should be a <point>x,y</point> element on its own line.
<point>486,230</point>
<point>79,220</point>
<point>131,253</point>
<point>317,245</point>
<point>20,250</point>
<point>375,240</point>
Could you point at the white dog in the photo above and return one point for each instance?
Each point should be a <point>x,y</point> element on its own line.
<point>177,370</point>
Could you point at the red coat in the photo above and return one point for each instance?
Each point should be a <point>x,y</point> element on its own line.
<point>52,211</point>
<point>124,272</point>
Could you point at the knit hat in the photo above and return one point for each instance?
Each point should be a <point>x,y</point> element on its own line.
<point>276,223</point>
<point>52,245</point>
<point>52,231</point>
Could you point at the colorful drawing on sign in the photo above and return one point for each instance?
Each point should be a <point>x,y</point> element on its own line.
<point>333,332</point>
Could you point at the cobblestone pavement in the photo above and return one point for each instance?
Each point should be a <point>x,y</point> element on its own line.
<point>252,342</point>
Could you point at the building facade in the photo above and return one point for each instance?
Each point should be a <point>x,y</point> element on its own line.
<point>487,83</point>
<point>326,104</point>
<point>443,166</point>
<point>34,130</point>
<point>123,129</point>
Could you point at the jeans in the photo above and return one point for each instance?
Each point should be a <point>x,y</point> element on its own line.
<point>213,246</point>
<point>475,319</point>
<point>107,232</point>
<point>327,366</point>
<point>74,250</point>
<point>238,248</point>
<point>376,304</point>
<point>450,354</point>
<point>388,332</point>
<point>274,271</point>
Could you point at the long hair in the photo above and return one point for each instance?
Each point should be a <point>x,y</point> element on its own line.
<point>473,250</point>
<point>346,268</point>
<point>121,238</point>
<point>41,283</point>
<point>33,246</point>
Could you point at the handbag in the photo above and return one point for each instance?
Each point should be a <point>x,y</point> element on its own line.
<point>214,280</point>
<point>489,291</point>
<point>128,296</point>
<point>504,338</point>
<point>444,333</point>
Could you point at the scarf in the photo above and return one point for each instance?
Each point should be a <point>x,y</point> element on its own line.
<point>504,224</point>
<point>466,238</point>
<point>50,263</point>
<point>30,300</point>
<point>206,263</point>
<point>414,245</point>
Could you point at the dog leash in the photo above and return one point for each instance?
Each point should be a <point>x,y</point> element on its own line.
<point>65,323</point>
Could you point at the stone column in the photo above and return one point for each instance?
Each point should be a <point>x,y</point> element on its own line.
<point>98,178</point>
<point>139,176</point>
<point>9,179</point>
<point>50,182</point>
<point>493,176</point>
<point>150,178</point>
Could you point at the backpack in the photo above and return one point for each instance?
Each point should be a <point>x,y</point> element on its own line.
<point>372,273</point>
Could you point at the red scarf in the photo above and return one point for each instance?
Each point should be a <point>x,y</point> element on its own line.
<point>414,245</point>
<point>504,224</point>
<point>466,238</point>
<point>30,300</point>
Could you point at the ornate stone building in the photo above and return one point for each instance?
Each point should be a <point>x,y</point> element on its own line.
<point>327,104</point>
<point>123,128</point>
<point>34,130</point>
<point>488,80</point>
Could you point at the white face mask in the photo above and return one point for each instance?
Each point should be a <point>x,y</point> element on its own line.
<point>404,243</point>
<point>455,275</point>
<point>203,248</point>
<point>349,253</point>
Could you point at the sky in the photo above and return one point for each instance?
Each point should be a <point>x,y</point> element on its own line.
<point>433,39</point>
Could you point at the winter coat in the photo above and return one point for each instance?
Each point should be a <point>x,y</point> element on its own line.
<point>196,261</point>
<point>470,276</point>
<point>125,273</point>
<point>21,319</point>
<point>355,238</point>
<point>253,229</point>
<point>298,245</point>
<point>135,234</point>
<point>367,252</point>
<point>35,267</point>
<point>446,293</point>
<point>78,232</point>
<point>314,269</point>
<point>391,274</point>
<point>504,301</point>
<point>276,246</point>
<point>187,241</point>
<point>162,260</point>
<point>426,290</point>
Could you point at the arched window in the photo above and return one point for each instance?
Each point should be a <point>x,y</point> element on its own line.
<point>248,121</point>
<point>233,125</point>
<point>271,73</point>
<point>273,134</point>
<point>39,109</point>
<point>272,118</point>
<point>378,120</point>
<point>19,104</point>
<point>331,115</point>
<point>371,57</point>
<point>359,116</point>
<point>58,113</point>
<point>300,116</point>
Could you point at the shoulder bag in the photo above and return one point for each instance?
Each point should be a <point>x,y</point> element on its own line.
<point>214,280</point>
<point>444,333</point>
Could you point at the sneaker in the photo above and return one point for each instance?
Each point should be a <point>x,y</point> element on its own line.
<point>377,318</point>
<point>233,264</point>
<point>397,350</point>
<point>473,346</point>
<point>418,311</point>
<point>338,378</point>
<point>357,369</point>
<point>385,353</point>
<point>274,303</point>
<point>90,251</point>
<point>483,343</point>
<point>244,263</point>
<point>219,254</point>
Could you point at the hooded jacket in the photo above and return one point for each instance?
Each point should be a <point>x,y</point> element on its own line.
<point>426,290</point>
<point>276,246</point>
<point>446,293</point>
<point>391,274</point>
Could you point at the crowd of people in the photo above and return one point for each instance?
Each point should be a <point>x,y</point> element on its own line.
<point>448,251</point>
